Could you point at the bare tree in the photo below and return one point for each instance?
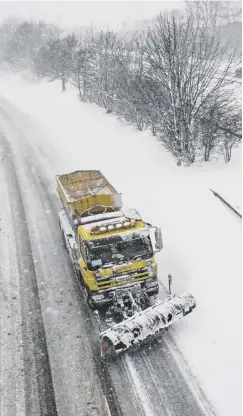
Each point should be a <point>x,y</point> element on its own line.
<point>219,111</point>
<point>55,59</point>
<point>7,30</point>
<point>206,13</point>
<point>82,70</point>
<point>23,40</point>
<point>190,67</point>
<point>231,133</point>
<point>110,58</point>
<point>214,13</point>
<point>132,92</point>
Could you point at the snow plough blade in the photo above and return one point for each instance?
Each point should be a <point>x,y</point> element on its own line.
<point>146,323</point>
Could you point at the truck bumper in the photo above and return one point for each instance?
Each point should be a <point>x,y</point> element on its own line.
<point>102,298</point>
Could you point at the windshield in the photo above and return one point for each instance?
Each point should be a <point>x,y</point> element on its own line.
<point>116,249</point>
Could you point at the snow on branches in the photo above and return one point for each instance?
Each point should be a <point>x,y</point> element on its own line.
<point>175,78</point>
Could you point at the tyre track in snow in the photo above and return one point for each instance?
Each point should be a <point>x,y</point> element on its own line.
<point>153,371</point>
<point>157,380</point>
<point>39,392</point>
<point>74,369</point>
<point>205,405</point>
<point>11,353</point>
<point>89,326</point>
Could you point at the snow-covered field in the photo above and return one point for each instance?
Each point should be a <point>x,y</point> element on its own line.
<point>202,237</point>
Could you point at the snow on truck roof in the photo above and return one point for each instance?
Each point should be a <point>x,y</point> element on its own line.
<point>84,183</point>
<point>86,230</point>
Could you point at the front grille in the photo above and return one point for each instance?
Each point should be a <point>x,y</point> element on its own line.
<point>111,281</point>
<point>130,272</point>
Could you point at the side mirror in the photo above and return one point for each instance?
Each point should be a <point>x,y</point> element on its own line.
<point>158,239</point>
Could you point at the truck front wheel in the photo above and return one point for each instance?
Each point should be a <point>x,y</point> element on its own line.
<point>90,302</point>
<point>89,298</point>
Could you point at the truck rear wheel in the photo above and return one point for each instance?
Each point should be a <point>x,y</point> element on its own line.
<point>63,237</point>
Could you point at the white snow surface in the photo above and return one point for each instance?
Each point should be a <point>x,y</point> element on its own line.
<point>202,237</point>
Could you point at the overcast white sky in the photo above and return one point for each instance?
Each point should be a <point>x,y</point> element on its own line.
<point>105,14</point>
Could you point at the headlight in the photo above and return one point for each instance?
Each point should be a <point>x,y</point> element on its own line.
<point>152,270</point>
<point>148,262</point>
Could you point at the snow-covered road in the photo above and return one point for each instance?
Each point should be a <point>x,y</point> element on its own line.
<point>47,365</point>
<point>25,368</point>
<point>51,354</point>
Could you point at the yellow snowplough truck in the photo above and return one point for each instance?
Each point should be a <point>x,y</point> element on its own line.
<point>113,251</point>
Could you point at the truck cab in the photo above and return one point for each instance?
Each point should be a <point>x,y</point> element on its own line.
<point>113,249</point>
<point>116,253</point>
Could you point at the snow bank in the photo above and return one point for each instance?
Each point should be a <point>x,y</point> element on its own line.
<point>202,237</point>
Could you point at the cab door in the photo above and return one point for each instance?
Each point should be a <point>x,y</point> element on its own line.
<point>82,259</point>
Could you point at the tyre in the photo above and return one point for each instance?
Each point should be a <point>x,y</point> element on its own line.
<point>80,277</point>
<point>62,232</point>
<point>89,298</point>
<point>108,350</point>
<point>90,302</point>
